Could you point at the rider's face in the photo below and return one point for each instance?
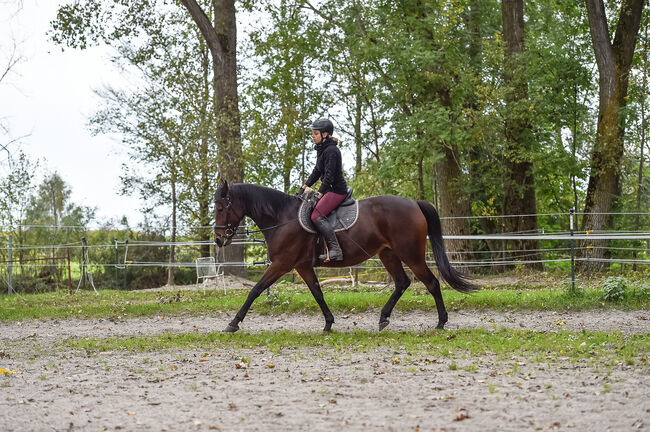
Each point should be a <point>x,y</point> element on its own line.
<point>317,137</point>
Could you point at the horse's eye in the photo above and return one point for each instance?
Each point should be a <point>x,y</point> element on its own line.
<point>219,208</point>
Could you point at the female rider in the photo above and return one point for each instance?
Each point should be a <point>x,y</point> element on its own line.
<point>329,169</point>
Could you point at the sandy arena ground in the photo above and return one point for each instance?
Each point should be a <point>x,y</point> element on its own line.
<point>313,389</point>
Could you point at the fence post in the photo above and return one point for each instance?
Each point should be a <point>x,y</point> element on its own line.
<point>572,211</point>
<point>10,264</point>
<point>69,273</point>
<point>117,283</point>
<point>126,265</point>
<point>83,263</point>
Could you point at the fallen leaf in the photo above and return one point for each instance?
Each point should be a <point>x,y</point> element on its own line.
<point>173,367</point>
<point>130,413</point>
<point>462,415</point>
<point>270,365</point>
<point>232,405</point>
<point>333,401</point>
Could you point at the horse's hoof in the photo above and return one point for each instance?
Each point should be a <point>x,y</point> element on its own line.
<point>231,329</point>
<point>440,326</point>
<point>383,324</point>
<point>327,328</point>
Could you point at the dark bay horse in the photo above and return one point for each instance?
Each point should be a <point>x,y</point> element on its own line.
<point>393,227</point>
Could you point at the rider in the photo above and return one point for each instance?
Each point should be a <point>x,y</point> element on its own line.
<point>329,169</point>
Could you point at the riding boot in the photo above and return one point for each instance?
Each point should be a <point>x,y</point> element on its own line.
<point>335,252</point>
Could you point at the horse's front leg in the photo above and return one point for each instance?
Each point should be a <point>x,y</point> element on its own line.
<point>270,276</point>
<point>309,276</point>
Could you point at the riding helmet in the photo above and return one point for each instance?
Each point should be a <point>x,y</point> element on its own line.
<point>323,124</point>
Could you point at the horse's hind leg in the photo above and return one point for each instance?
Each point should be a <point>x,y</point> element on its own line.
<point>394,267</point>
<point>309,276</point>
<point>421,271</point>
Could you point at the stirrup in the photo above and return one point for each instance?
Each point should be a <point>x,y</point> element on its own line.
<point>326,256</point>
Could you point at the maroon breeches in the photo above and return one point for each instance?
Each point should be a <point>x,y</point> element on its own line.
<point>325,205</point>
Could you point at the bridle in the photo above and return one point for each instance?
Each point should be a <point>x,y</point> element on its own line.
<point>229,228</point>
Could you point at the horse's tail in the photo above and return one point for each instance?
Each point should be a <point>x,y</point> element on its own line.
<point>456,280</point>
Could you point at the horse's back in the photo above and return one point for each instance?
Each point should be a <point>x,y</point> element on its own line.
<point>389,212</point>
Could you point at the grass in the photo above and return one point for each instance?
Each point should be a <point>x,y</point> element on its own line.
<point>293,299</point>
<point>596,347</point>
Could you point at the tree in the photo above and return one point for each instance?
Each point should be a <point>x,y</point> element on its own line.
<point>168,126</point>
<point>123,23</point>
<point>281,96</point>
<point>54,220</point>
<point>519,197</point>
<point>614,59</point>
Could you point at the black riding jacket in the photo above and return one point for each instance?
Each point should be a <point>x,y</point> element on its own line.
<point>329,168</point>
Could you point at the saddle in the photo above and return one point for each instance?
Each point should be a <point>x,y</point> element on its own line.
<point>341,219</point>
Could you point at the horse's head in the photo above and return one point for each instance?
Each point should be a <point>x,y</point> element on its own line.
<point>226,218</point>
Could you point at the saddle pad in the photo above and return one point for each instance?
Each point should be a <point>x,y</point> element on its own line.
<point>341,219</point>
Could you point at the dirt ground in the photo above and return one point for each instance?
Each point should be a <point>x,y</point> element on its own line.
<point>316,389</point>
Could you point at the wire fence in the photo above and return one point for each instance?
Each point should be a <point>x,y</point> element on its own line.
<point>148,260</point>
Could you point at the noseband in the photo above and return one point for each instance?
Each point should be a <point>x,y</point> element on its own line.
<point>229,228</point>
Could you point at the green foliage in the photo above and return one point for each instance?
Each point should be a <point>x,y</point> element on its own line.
<point>415,88</point>
<point>613,288</point>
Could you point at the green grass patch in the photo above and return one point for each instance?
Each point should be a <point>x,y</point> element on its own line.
<point>596,347</point>
<point>293,299</point>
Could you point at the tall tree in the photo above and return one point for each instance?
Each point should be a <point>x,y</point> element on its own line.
<point>148,26</point>
<point>520,188</point>
<point>281,97</point>
<point>16,188</point>
<point>220,34</point>
<point>614,60</point>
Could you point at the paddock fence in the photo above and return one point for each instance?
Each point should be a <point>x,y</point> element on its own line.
<point>133,263</point>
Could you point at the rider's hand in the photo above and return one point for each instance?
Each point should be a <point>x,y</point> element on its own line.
<point>299,192</point>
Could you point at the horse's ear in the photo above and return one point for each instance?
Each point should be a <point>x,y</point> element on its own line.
<point>223,187</point>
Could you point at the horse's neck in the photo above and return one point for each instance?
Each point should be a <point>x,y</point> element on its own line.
<point>261,214</point>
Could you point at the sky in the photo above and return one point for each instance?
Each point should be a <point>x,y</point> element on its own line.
<point>49,97</point>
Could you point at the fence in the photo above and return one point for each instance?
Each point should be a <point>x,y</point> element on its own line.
<point>557,249</point>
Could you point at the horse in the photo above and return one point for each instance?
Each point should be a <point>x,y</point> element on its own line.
<point>393,227</point>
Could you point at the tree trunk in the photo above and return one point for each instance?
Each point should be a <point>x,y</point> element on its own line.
<point>357,135</point>
<point>520,188</point>
<point>221,37</point>
<point>172,248</point>
<point>644,92</point>
<point>614,61</point>
<point>454,203</point>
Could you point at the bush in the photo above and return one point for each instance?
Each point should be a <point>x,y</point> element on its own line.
<point>641,289</point>
<point>614,288</point>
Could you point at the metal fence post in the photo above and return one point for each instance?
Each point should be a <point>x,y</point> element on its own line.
<point>10,264</point>
<point>117,283</point>
<point>572,211</point>
<point>83,262</point>
<point>69,273</point>
<point>126,264</point>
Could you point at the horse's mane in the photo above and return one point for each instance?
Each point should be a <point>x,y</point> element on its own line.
<point>260,200</point>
